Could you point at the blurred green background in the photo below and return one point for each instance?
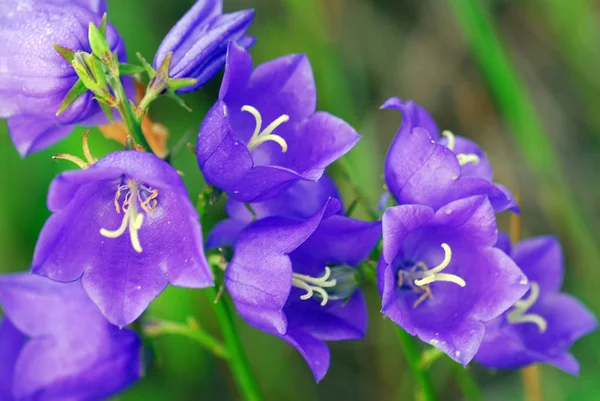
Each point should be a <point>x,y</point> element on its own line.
<point>538,117</point>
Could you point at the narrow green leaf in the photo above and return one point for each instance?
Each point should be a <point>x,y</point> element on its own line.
<point>103,25</point>
<point>147,66</point>
<point>107,110</point>
<point>178,100</point>
<point>67,54</point>
<point>130,69</point>
<point>176,84</point>
<point>76,90</point>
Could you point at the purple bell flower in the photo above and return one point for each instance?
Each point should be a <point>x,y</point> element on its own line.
<point>199,41</point>
<point>126,227</point>
<point>542,326</point>
<point>300,201</point>
<point>263,134</point>
<point>440,276</point>
<point>425,168</point>
<point>296,279</point>
<point>56,345</point>
<point>34,77</point>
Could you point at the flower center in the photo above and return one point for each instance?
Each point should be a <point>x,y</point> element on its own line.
<point>259,137</point>
<point>518,314</point>
<point>314,285</point>
<point>134,194</point>
<point>463,158</point>
<point>419,276</point>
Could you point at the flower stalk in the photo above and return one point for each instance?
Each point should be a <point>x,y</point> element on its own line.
<point>157,328</point>
<point>238,362</point>
<point>413,358</point>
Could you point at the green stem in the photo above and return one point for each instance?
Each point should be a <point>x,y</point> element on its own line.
<point>133,126</point>
<point>157,328</point>
<point>467,385</point>
<point>238,361</point>
<point>514,102</point>
<point>413,357</point>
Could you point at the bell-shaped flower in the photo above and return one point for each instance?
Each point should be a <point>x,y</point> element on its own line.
<point>296,279</point>
<point>542,326</point>
<point>300,201</point>
<point>263,134</point>
<point>440,276</point>
<point>198,42</point>
<point>56,345</point>
<point>424,167</point>
<point>35,78</point>
<point>126,227</point>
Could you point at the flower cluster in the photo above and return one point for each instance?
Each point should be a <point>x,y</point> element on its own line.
<point>293,262</point>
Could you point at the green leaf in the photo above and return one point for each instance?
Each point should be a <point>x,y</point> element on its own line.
<point>76,90</point>
<point>130,69</point>
<point>147,66</point>
<point>178,100</point>
<point>103,25</point>
<point>98,42</point>
<point>107,110</point>
<point>176,84</point>
<point>67,54</point>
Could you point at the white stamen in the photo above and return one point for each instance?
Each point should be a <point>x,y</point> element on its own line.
<point>434,274</point>
<point>134,221</point>
<point>312,284</point>
<point>519,313</point>
<point>463,158</point>
<point>267,134</point>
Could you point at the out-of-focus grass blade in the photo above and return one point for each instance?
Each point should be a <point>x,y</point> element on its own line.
<point>575,27</point>
<point>511,96</point>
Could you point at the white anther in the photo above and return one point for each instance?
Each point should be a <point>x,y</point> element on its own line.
<point>312,285</point>
<point>519,314</point>
<point>259,137</point>
<point>434,274</point>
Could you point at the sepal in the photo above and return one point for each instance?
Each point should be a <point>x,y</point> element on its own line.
<point>67,54</point>
<point>76,90</point>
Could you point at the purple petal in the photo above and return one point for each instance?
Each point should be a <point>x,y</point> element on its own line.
<point>259,276</point>
<point>336,321</point>
<point>314,351</point>
<point>414,115</point>
<point>318,142</point>
<point>342,240</point>
<point>542,261</point>
<point>208,44</point>
<point>72,351</point>
<point>11,343</point>
<point>186,28</point>
<point>29,134</point>
<point>225,233</point>
<point>397,223</point>
<point>238,69</point>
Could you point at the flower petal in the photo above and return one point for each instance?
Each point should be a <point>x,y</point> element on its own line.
<point>541,259</point>
<point>314,351</point>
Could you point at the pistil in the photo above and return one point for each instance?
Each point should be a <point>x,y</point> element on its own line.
<point>312,285</point>
<point>519,315</point>
<point>259,137</point>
